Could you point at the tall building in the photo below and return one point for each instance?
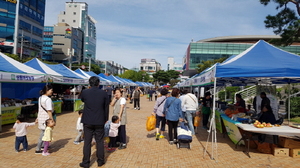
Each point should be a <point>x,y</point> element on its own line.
<point>150,66</point>
<point>214,48</point>
<point>21,27</point>
<point>76,15</point>
<point>173,66</point>
<point>111,68</point>
<point>61,42</point>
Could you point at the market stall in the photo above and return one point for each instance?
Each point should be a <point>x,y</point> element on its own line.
<point>12,71</point>
<point>262,63</point>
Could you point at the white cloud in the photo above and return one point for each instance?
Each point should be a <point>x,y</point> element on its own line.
<point>129,30</point>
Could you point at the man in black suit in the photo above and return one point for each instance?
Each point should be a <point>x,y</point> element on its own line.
<point>95,114</point>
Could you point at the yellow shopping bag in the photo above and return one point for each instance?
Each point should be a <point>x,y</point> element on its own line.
<point>196,121</point>
<point>150,124</point>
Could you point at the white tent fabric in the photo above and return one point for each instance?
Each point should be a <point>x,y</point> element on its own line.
<point>14,71</point>
<point>58,73</point>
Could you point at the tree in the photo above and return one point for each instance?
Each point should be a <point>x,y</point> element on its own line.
<point>173,74</point>
<point>286,22</point>
<point>206,64</point>
<point>161,77</point>
<point>95,68</point>
<point>129,74</point>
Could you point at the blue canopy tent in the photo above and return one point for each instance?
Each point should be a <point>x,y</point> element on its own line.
<point>18,80</point>
<point>113,81</point>
<point>90,73</point>
<point>12,71</point>
<point>58,73</point>
<point>262,63</point>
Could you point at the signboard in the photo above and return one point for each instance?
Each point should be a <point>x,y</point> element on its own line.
<point>11,1</point>
<point>6,43</point>
<point>218,121</point>
<point>57,106</point>
<point>22,78</point>
<point>9,114</point>
<point>205,78</point>
<point>232,130</point>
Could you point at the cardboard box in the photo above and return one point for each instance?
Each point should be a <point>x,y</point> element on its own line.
<point>295,153</point>
<point>265,148</point>
<point>289,143</point>
<point>281,151</point>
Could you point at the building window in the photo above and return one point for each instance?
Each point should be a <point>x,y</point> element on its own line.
<point>74,13</point>
<point>63,20</point>
<point>74,21</point>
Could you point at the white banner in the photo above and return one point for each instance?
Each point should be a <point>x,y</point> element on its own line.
<point>204,79</point>
<point>20,77</point>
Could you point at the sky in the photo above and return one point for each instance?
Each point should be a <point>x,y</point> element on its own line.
<point>130,30</point>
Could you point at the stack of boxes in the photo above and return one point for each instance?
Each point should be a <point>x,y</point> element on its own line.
<point>290,147</point>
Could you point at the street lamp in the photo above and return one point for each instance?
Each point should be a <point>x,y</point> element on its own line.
<point>70,54</point>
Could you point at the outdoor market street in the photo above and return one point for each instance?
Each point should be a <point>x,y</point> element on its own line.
<point>142,148</point>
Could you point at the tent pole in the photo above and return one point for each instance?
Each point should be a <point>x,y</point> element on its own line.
<point>0,107</point>
<point>74,98</point>
<point>212,127</point>
<point>289,104</point>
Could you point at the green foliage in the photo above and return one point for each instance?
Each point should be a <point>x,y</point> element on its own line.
<point>296,120</point>
<point>164,77</point>
<point>161,77</point>
<point>173,82</point>
<point>173,74</point>
<point>139,76</point>
<point>295,106</point>
<point>286,22</point>
<point>221,95</point>
<point>95,68</point>
<point>206,64</point>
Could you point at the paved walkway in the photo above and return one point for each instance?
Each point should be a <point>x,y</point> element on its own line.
<point>142,150</point>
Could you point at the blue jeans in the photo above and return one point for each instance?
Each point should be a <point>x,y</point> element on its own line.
<point>23,140</point>
<point>189,116</point>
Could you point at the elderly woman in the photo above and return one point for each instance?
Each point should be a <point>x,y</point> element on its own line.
<point>172,111</point>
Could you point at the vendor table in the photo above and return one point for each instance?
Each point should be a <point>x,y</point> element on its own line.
<point>247,131</point>
<point>282,130</point>
<point>69,103</point>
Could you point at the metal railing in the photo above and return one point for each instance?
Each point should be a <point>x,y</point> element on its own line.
<point>247,93</point>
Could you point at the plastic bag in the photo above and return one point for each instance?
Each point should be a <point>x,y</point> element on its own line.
<point>196,121</point>
<point>151,122</point>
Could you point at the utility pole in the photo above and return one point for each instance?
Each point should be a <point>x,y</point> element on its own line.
<point>22,40</point>
<point>70,54</point>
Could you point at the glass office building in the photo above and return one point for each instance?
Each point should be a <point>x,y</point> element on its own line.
<point>215,48</point>
<point>21,27</point>
<point>48,43</point>
<point>7,26</point>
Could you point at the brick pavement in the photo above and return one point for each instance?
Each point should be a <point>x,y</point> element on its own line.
<point>142,150</point>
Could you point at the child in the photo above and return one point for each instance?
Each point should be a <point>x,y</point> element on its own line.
<point>47,138</point>
<point>21,131</point>
<point>79,128</point>
<point>113,132</point>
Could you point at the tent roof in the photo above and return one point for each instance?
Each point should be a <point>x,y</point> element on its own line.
<point>8,64</point>
<point>39,65</point>
<point>261,62</point>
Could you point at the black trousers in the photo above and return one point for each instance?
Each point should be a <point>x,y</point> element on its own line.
<point>98,132</point>
<point>136,102</point>
<point>172,128</point>
<point>112,142</point>
<point>205,119</point>
<point>122,134</point>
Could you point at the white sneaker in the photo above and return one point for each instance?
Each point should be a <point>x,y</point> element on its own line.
<point>135,108</point>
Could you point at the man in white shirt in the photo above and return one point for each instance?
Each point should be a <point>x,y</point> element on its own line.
<point>190,102</point>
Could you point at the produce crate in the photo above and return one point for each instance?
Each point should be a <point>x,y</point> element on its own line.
<point>289,143</point>
<point>295,153</point>
<point>281,151</point>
